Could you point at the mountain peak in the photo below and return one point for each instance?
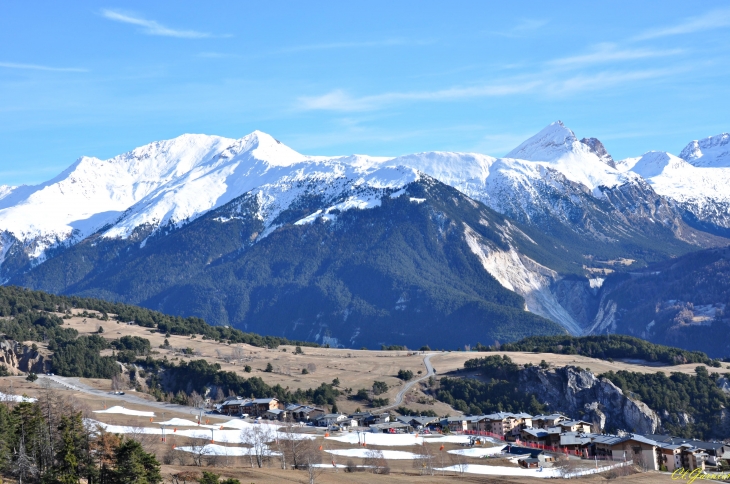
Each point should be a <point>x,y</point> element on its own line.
<point>713,151</point>
<point>263,146</point>
<point>550,144</point>
<point>654,163</point>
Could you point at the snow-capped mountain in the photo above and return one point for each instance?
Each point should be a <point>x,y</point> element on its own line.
<point>595,212</point>
<point>698,181</point>
<point>713,151</point>
<point>93,193</point>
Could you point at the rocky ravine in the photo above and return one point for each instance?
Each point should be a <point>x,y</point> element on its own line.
<point>578,392</point>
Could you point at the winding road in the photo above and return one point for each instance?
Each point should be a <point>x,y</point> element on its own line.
<point>409,385</point>
<point>73,383</point>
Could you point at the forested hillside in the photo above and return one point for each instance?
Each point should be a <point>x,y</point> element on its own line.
<point>399,273</point>
<point>681,302</point>
<point>604,347</point>
<point>688,405</point>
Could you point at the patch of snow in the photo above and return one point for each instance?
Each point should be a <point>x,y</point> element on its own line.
<point>4,397</point>
<point>362,453</point>
<point>178,422</point>
<point>126,411</point>
<point>417,200</point>
<point>478,451</point>
<point>221,450</point>
<point>596,282</point>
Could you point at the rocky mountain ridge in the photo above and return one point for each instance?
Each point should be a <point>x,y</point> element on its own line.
<point>585,215</point>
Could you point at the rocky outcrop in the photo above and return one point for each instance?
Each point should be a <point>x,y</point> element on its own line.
<point>579,393</point>
<point>20,358</point>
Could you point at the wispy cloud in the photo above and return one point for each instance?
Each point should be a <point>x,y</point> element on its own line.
<point>540,84</point>
<point>216,55</point>
<point>605,80</point>
<point>354,45</point>
<point>339,100</point>
<point>521,28</point>
<point>528,24</point>
<point>714,19</point>
<point>36,67</point>
<point>607,52</point>
<point>152,27</point>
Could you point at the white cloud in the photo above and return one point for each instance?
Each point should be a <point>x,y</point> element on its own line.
<point>339,100</point>
<point>521,28</point>
<point>36,67</point>
<point>604,80</point>
<point>540,84</point>
<point>353,45</point>
<point>152,27</point>
<point>714,19</point>
<point>607,52</point>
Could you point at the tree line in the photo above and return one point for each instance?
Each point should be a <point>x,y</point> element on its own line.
<point>604,347</point>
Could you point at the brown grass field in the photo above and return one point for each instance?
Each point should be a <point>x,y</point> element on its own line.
<point>354,368</point>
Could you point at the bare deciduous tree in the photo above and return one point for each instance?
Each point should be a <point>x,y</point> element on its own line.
<point>196,400</point>
<point>200,449</point>
<point>311,458</point>
<point>292,443</point>
<point>258,437</point>
<point>237,353</point>
<point>424,460</point>
<point>375,462</point>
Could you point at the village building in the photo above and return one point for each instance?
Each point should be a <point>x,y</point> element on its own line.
<point>259,406</point>
<point>304,413</point>
<point>391,428</point>
<point>233,406</point>
<point>455,424</point>
<point>545,421</point>
<point>636,448</point>
<point>575,426</point>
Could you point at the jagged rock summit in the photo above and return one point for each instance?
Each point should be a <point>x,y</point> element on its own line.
<point>555,142</point>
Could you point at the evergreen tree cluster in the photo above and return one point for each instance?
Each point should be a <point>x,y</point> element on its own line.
<point>30,318</point>
<point>698,396</point>
<point>47,442</point>
<point>603,347</point>
<point>195,375</point>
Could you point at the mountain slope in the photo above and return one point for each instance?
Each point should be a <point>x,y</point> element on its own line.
<point>402,272</point>
<point>713,151</point>
<point>197,205</point>
<point>681,302</point>
<point>701,191</point>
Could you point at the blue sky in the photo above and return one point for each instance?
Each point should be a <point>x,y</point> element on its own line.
<point>383,78</point>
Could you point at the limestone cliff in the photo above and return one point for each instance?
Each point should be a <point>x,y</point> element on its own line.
<point>21,358</point>
<point>578,392</point>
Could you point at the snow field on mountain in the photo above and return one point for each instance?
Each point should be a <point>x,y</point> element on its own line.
<point>173,182</point>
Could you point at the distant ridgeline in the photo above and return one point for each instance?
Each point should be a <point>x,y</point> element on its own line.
<point>605,347</point>
<point>31,320</point>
